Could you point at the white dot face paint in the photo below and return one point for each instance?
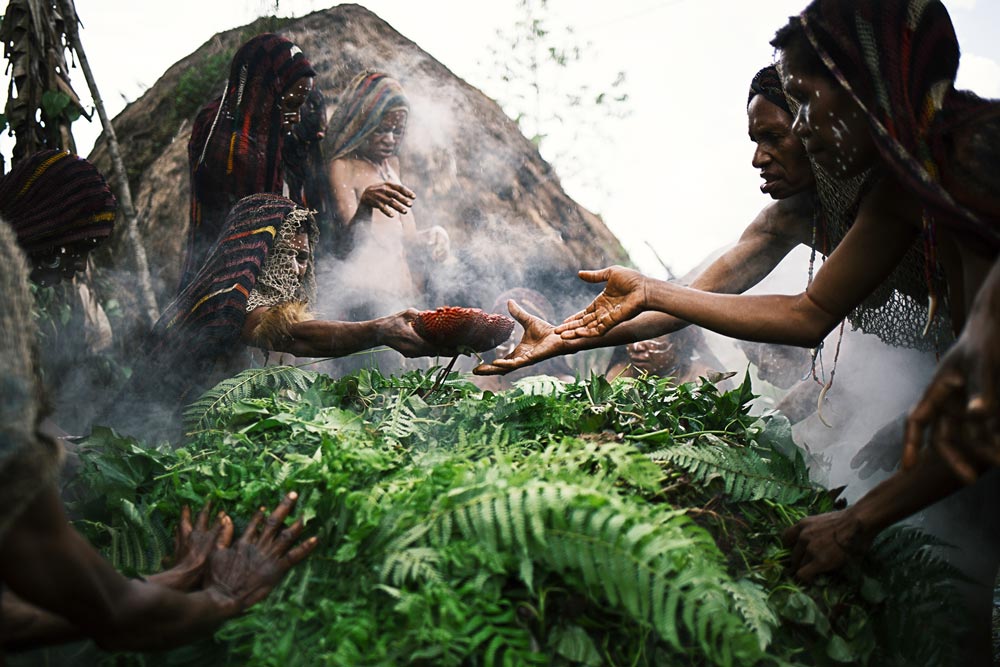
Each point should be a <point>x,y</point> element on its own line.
<point>841,142</point>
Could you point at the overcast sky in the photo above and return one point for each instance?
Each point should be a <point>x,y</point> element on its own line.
<point>675,174</point>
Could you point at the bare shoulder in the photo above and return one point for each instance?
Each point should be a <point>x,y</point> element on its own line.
<point>890,205</point>
<point>351,175</point>
<point>347,168</point>
<point>789,220</point>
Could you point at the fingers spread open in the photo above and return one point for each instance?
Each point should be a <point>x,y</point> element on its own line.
<point>250,534</point>
<point>571,322</point>
<point>184,528</point>
<point>287,537</point>
<point>518,313</point>
<point>402,189</point>
<point>202,523</point>
<point>937,395</point>
<point>277,518</point>
<point>299,552</point>
<point>224,536</point>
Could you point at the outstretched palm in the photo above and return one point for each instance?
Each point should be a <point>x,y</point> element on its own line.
<point>623,298</point>
<point>539,342</point>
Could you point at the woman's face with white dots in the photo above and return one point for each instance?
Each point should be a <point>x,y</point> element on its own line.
<point>833,128</point>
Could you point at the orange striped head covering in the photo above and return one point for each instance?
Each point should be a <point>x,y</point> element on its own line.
<point>54,198</point>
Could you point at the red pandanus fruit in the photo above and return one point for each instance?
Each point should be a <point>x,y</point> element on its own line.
<point>463,329</point>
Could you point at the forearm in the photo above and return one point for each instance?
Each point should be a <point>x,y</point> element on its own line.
<point>743,266</point>
<point>905,493</point>
<point>50,566</point>
<point>324,338</point>
<point>779,319</point>
<point>177,578</point>
<point>347,227</point>
<point>24,626</point>
<point>150,617</point>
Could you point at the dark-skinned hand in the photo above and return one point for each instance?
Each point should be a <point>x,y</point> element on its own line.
<point>882,452</point>
<point>250,568</point>
<point>538,343</point>
<point>436,241</point>
<point>824,542</point>
<point>388,197</point>
<point>656,356</point>
<point>397,332</point>
<point>959,413</point>
<point>193,544</point>
<point>623,298</point>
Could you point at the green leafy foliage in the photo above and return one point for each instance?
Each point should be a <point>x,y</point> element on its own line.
<point>626,523</point>
<point>246,384</point>
<point>197,85</point>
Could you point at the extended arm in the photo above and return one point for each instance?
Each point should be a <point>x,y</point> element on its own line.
<point>825,542</point>
<point>883,231</point>
<point>26,626</point>
<point>777,229</point>
<point>48,564</point>
<point>329,338</point>
<point>353,211</point>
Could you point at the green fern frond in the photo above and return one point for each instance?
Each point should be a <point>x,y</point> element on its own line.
<point>751,601</point>
<point>139,540</point>
<point>499,638</point>
<point>604,461</point>
<point>251,383</point>
<point>517,403</point>
<point>402,421</point>
<point>659,567</point>
<point>413,564</point>
<point>742,471</point>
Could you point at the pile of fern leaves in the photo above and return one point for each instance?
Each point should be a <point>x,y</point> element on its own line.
<point>626,523</point>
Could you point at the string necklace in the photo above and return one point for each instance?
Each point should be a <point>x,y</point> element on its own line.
<point>384,172</point>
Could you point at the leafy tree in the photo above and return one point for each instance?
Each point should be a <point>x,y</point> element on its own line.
<point>41,104</point>
<point>535,70</point>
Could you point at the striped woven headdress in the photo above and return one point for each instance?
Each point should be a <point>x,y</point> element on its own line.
<point>203,324</point>
<point>207,315</point>
<point>767,83</point>
<point>898,60</point>
<point>54,198</point>
<point>359,111</point>
<point>236,140</point>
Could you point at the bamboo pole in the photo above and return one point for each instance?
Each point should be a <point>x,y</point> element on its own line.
<point>71,21</point>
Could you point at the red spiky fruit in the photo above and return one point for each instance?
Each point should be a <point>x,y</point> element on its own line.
<point>458,328</point>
